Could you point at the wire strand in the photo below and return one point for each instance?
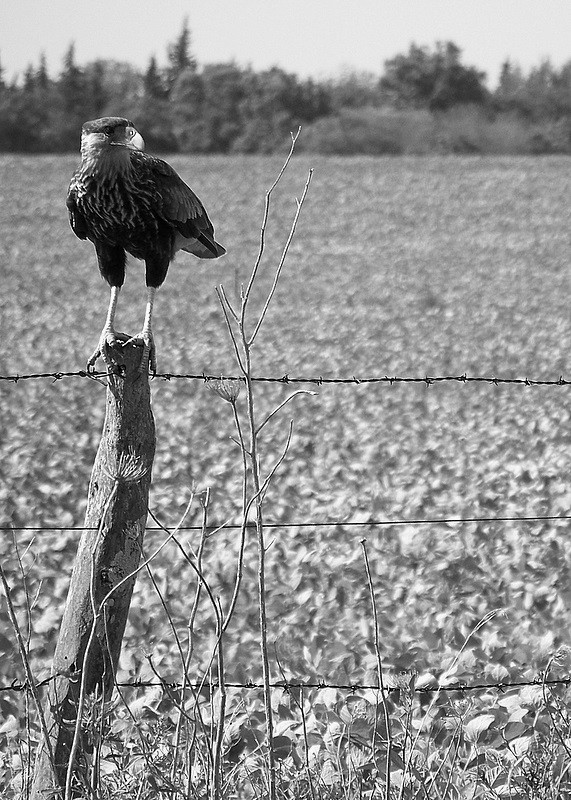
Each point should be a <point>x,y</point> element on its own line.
<point>313,523</point>
<point>427,380</point>
<point>23,686</point>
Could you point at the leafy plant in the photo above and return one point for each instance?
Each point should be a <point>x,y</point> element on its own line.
<point>400,267</point>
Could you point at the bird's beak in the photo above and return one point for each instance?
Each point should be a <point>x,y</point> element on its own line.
<point>134,140</point>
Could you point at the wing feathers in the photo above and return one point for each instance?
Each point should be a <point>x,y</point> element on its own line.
<point>76,219</point>
<point>181,208</point>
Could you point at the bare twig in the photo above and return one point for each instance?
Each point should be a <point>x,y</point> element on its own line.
<point>217,769</point>
<point>548,707</point>
<point>485,619</point>
<point>242,343</point>
<point>281,405</point>
<point>299,703</point>
<point>25,587</point>
<point>382,687</point>
<point>223,304</point>
<point>27,668</point>
<point>242,545</point>
<point>223,296</point>
<point>186,685</point>
<point>282,259</point>
<point>246,293</point>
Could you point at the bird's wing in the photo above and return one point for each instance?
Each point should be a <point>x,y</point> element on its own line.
<point>179,205</point>
<point>76,218</point>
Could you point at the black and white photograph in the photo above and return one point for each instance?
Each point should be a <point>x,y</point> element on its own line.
<point>285,400</point>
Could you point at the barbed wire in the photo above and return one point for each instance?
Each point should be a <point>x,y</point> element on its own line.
<point>319,380</point>
<point>502,686</point>
<point>17,686</point>
<point>308,524</point>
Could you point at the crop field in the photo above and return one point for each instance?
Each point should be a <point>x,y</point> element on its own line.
<point>405,267</point>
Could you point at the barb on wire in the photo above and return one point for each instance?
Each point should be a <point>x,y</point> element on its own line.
<point>316,380</point>
<point>373,523</point>
<point>24,686</point>
<point>502,686</point>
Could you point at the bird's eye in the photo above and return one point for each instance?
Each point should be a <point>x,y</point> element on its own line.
<point>130,132</point>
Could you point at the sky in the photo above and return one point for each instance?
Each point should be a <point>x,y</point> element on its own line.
<point>312,38</point>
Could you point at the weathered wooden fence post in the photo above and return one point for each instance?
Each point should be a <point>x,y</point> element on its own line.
<point>89,643</point>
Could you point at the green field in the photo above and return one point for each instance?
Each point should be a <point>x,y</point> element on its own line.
<point>408,267</point>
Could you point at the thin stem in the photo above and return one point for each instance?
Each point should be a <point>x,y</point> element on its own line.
<point>186,685</point>
<point>281,405</point>
<point>263,228</point>
<point>28,606</point>
<point>436,696</point>
<point>299,703</point>
<point>282,259</point>
<point>221,295</point>
<point>215,756</point>
<point>548,708</point>
<point>27,668</point>
<point>242,344</point>
<point>239,567</point>
<point>380,674</point>
<point>261,582</point>
<point>229,305</point>
<point>26,592</point>
<point>216,783</point>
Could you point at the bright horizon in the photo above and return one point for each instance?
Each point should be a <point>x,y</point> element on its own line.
<point>312,38</point>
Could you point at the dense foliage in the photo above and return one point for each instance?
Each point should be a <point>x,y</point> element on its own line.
<point>226,108</point>
<point>400,266</point>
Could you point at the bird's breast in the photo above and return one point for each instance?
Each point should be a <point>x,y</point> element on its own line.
<point>118,211</point>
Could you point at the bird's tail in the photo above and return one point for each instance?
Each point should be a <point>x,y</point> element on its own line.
<point>203,247</point>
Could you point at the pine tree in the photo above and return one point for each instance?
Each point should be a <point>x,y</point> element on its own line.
<point>72,105</point>
<point>153,84</point>
<point>42,77</point>
<point>540,91</point>
<point>187,108</point>
<point>154,110</point>
<point>72,84</point>
<point>179,56</point>
<point>29,79</point>
<point>95,80</point>
<point>510,92</point>
<point>225,87</point>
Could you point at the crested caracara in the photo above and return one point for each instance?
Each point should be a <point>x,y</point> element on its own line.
<point>126,201</point>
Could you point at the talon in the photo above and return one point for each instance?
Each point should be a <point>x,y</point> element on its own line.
<point>148,358</point>
<point>109,339</point>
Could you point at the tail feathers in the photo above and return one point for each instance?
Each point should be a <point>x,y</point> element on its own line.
<point>203,247</point>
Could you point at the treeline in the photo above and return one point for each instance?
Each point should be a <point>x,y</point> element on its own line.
<point>426,101</point>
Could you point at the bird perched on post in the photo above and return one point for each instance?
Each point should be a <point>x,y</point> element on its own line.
<point>126,201</point>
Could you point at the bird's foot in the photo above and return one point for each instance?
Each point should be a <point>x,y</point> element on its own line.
<point>148,359</point>
<point>109,339</point>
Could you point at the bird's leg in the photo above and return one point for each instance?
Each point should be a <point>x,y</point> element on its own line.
<point>148,359</point>
<point>109,336</point>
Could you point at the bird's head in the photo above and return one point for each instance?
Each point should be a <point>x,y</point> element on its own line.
<point>99,135</point>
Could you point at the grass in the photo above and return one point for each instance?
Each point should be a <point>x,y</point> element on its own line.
<point>400,266</point>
